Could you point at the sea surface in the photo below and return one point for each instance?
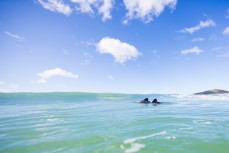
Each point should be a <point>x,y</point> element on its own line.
<point>113,123</point>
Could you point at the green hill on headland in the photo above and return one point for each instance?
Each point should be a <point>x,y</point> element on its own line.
<point>214,91</point>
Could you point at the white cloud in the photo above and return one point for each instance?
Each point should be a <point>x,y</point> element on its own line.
<point>146,10</point>
<point>14,36</point>
<point>194,50</point>
<point>87,55</point>
<point>85,6</point>
<point>110,77</point>
<point>87,58</point>
<point>88,43</point>
<point>197,39</point>
<point>45,75</point>
<point>2,82</point>
<point>104,7</point>
<point>226,31</point>
<point>205,15</point>
<point>56,6</point>
<point>201,25</point>
<point>227,15</point>
<point>121,51</point>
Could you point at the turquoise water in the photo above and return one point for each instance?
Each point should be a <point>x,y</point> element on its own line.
<point>113,123</point>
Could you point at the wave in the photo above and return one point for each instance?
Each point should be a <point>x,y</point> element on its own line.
<point>201,122</point>
<point>218,97</point>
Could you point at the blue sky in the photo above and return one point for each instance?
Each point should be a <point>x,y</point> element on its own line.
<point>124,46</point>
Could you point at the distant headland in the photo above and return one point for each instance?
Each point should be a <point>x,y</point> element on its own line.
<point>214,91</point>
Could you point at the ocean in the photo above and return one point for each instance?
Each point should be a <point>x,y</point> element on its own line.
<point>74,122</point>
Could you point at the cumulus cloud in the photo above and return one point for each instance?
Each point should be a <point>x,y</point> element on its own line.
<point>121,51</point>
<point>56,6</point>
<point>146,10</point>
<point>197,39</point>
<point>226,31</point>
<point>104,7</point>
<point>194,50</point>
<point>84,6</point>
<point>47,74</point>
<point>14,36</point>
<point>201,25</point>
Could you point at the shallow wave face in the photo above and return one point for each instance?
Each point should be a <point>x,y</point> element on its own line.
<point>116,123</point>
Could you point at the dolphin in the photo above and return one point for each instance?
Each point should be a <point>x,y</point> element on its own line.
<point>145,101</point>
<point>155,101</point>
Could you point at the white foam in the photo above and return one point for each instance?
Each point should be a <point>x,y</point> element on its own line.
<point>52,120</point>
<point>201,122</point>
<point>135,147</point>
<point>220,97</point>
<point>122,147</point>
<point>131,140</point>
<point>170,137</point>
<point>186,128</point>
<point>138,146</point>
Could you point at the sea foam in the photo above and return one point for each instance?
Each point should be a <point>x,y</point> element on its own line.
<point>218,97</point>
<point>138,146</point>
